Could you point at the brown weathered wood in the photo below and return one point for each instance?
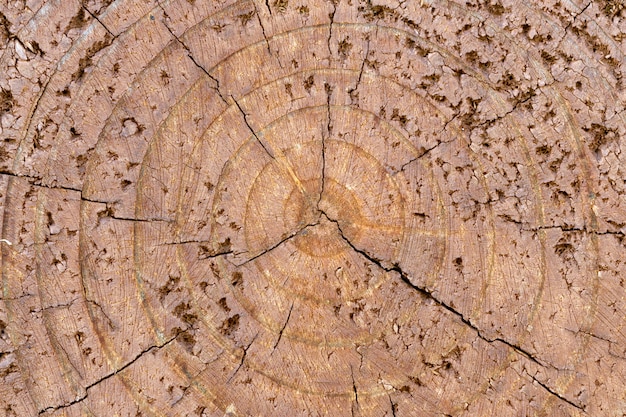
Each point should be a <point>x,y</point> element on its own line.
<point>342,207</point>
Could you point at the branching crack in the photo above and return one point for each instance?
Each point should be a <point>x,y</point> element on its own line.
<point>424,153</point>
<point>565,228</point>
<point>331,15</point>
<point>107,376</point>
<point>325,135</point>
<point>258,16</point>
<point>196,63</point>
<point>243,358</point>
<point>99,21</point>
<point>429,295</point>
<point>352,91</point>
<point>556,394</point>
<point>280,333</point>
<point>354,390</point>
<point>271,248</point>
<point>393,406</point>
<point>489,122</point>
<point>36,181</point>
<point>245,119</point>
<point>590,335</point>
<point>147,220</point>
<point>569,25</point>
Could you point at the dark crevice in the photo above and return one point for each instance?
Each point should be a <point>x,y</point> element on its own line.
<point>489,122</point>
<point>267,4</point>
<point>423,154</point>
<point>243,358</point>
<point>271,248</point>
<point>445,126</point>
<point>393,406</point>
<point>569,25</point>
<point>325,135</point>
<point>565,228</point>
<point>215,255</point>
<point>132,219</point>
<point>90,200</point>
<point>107,376</point>
<point>19,297</point>
<point>191,57</point>
<point>556,394</point>
<point>354,390</point>
<point>99,21</point>
<point>62,305</point>
<point>280,334</point>
<point>36,181</point>
<point>586,333</point>
<point>267,42</point>
<point>429,295</point>
<point>353,91</point>
<point>331,15</point>
<point>245,119</point>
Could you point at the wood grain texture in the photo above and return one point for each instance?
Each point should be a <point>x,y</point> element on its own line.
<point>310,208</point>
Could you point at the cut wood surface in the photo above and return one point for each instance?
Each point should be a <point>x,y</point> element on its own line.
<point>312,208</point>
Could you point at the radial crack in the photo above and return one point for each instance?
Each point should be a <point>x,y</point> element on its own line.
<point>558,45</point>
<point>107,376</point>
<point>245,119</point>
<point>280,334</point>
<point>566,228</point>
<point>99,21</point>
<point>489,122</point>
<point>556,394</point>
<point>352,91</point>
<point>36,181</point>
<point>429,295</point>
<point>196,63</point>
<point>258,16</point>
<point>243,358</point>
<point>354,390</point>
<point>393,406</point>
<point>271,248</point>
<point>325,135</point>
<point>331,15</point>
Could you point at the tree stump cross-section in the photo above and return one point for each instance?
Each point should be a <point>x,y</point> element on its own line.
<point>312,207</point>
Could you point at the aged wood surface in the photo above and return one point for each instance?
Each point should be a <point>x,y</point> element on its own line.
<point>311,208</point>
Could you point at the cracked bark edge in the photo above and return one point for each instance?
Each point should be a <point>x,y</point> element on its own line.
<point>107,376</point>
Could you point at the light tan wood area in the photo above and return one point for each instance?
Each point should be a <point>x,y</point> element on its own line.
<point>312,208</point>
